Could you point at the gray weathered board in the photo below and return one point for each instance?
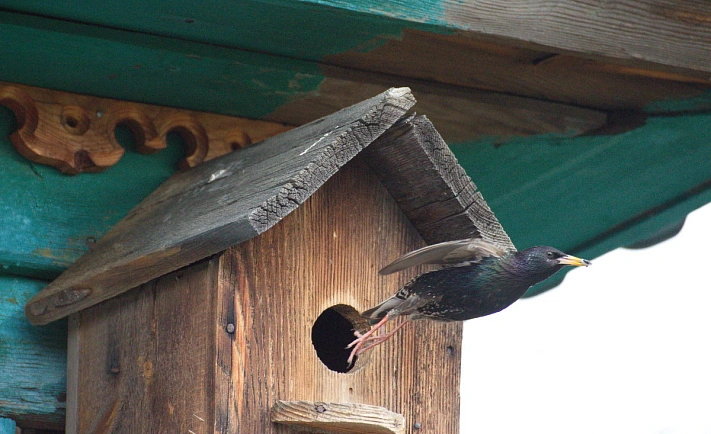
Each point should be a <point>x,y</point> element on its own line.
<point>221,203</point>
<point>431,188</point>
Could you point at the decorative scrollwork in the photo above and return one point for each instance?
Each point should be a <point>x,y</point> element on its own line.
<point>75,133</point>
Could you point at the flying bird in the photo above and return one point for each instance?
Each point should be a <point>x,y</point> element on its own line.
<point>478,278</point>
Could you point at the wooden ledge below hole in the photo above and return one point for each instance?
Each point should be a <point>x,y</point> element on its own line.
<point>338,417</point>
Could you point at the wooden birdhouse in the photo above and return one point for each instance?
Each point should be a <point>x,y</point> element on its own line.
<point>224,301</point>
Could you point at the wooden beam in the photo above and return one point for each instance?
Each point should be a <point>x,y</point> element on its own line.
<point>290,90</point>
<point>216,205</point>
<point>542,74</point>
<point>334,417</point>
<point>673,35</point>
<point>461,114</point>
<point>432,189</point>
<point>659,35</point>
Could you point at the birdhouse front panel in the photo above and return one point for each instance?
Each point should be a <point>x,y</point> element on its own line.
<point>298,288</point>
<point>267,321</point>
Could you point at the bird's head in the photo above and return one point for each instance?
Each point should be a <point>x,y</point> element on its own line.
<point>541,262</point>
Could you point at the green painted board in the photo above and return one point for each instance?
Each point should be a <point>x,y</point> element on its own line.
<point>33,360</point>
<point>575,189</point>
<point>7,426</point>
<point>150,69</point>
<point>313,29</point>
<point>590,195</point>
<point>47,219</point>
<point>295,29</point>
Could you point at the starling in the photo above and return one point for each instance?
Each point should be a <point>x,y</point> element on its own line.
<point>478,279</point>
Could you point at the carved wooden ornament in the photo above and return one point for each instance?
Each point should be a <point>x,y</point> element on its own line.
<point>75,133</point>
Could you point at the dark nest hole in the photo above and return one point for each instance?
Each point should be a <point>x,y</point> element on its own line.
<point>332,332</point>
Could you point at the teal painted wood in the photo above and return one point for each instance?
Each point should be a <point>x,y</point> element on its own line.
<point>589,195</point>
<point>149,69</point>
<point>33,360</point>
<point>297,28</point>
<point>7,426</point>
<point>46,218</point>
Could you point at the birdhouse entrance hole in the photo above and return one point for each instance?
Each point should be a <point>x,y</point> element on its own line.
<point>332,332</point>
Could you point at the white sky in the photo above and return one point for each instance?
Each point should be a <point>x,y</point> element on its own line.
<point>623,346</point>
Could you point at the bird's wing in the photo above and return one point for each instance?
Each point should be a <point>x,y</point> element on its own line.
<point>449,252</point>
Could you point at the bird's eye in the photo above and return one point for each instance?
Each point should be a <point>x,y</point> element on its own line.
<point>550,255</point>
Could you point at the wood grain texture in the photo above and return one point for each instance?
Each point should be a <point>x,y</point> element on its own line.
<point>75,133</point>
<point>324,254</point>
<point>218,204</point>
<point>461,114</point>
<point>32,360</point>
<point>338,417</point>
<point>222,341</point>
<point>433,190</point>
<point>469,62</point>
<point>144,361</point>
<point>680,33</point>
<point>659,33</point>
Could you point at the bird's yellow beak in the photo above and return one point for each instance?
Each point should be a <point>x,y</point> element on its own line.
<point>574,261</point>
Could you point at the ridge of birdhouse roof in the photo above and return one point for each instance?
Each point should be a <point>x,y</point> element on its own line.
<point>233,198</point>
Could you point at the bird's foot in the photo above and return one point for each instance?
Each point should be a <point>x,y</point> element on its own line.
<point>368,340</point>
<point>358,344</point>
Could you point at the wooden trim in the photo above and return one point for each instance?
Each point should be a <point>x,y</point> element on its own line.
<point>338,417</point>
<point>75,133</point>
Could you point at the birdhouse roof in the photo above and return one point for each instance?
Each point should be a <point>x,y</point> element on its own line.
<point>228,200</point>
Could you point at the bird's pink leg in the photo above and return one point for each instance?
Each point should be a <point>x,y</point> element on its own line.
<point>368,338</point>
<point>362,338</point>
<point>381,338</point>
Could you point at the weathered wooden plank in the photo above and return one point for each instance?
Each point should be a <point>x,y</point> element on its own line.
<point>338,417</point>
<point>461,114</point>
<point>460,60</point>
<point>662,34</point>
<point>434,191</point>
<point>679,39</point>
<point>218,204</point>
<point>32,360</point>
<point>143,362</point>
<point>226,80</point>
